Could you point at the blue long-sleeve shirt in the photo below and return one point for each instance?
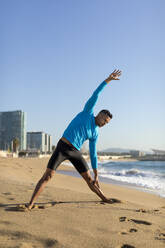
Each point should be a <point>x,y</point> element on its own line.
<point>83,127</point>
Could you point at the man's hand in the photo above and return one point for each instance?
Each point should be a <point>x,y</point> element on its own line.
<point>96,179</point>
<point>113,76</point>
<point>96,182</point>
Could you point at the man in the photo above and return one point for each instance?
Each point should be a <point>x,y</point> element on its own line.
<point>83,127</point>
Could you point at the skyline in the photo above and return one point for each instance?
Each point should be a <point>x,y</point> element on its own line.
<point>55,54</point>
<point>85,147</point>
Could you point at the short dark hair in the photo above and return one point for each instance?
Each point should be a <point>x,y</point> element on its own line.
<point>106,112</point>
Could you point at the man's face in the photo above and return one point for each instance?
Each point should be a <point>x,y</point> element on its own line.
<point>102,119</point>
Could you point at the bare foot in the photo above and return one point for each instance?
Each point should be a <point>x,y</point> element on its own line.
<point>112,200</point>
<point>29,206</point>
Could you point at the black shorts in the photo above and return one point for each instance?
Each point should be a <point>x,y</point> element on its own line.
<point>63,152</point>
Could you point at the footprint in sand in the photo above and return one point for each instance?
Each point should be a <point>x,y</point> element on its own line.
<point>7,193</point>
<point>147,211</point>
<point>141,210</point>
<point>161,236</point>
<point>5,222</point>
<point>25,245</point>
<point>24,237</point>
<point>132,230</point>
<point>125,232</point>
<point>24,208</point>
<point>121,219</point>
<point>125,246</point>
<point>141,222</point>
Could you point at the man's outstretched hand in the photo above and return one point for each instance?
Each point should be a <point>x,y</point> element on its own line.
<point>96,182</point>
<point>113,76</point>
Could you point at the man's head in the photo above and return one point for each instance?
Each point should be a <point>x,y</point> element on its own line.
<point>103,117</point>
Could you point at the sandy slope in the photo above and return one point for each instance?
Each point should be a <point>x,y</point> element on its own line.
<point>74,217</point>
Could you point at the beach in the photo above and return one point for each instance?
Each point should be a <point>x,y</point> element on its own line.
<point>70,215</point>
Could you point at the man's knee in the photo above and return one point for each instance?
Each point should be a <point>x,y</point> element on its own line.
<point>48,175</point>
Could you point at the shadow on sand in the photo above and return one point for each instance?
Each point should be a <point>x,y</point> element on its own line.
<point>15,207</point>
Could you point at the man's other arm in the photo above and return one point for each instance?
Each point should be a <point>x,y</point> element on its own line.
<point>93,157</point>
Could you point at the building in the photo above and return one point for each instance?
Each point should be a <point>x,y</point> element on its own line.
<point>50,143</point>
<point>12,126</point>
<point>39,141</point>
<point>158,152</point>
<point>136,153</point>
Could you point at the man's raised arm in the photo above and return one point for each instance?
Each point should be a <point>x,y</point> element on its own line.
<point>89,106</point>
<point>113,76</point>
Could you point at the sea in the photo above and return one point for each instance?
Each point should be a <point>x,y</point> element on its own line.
<point>143,175</point>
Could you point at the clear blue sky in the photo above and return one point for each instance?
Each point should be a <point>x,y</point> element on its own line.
<point>53,54</point>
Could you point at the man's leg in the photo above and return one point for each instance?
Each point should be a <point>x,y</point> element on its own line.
<point>41,185</point>
<point>88,178</point>
<point>56,159</point>
<point>82,167</point>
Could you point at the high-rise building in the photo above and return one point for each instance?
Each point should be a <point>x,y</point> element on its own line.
<point>12,126</point>
<point>50,143</point>
<point>39,141</point>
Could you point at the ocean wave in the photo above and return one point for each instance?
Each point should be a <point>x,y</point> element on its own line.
<point>130,172</point>
<point>146,182</point>
<point>148,179</point>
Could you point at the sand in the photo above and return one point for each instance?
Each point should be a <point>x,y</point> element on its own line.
<point>70,215</point>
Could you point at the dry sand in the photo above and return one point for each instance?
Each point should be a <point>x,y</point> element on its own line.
<point>72,215</point>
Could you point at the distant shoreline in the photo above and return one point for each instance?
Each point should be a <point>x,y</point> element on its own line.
<point>102,158</point>
<point>149,159</point>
